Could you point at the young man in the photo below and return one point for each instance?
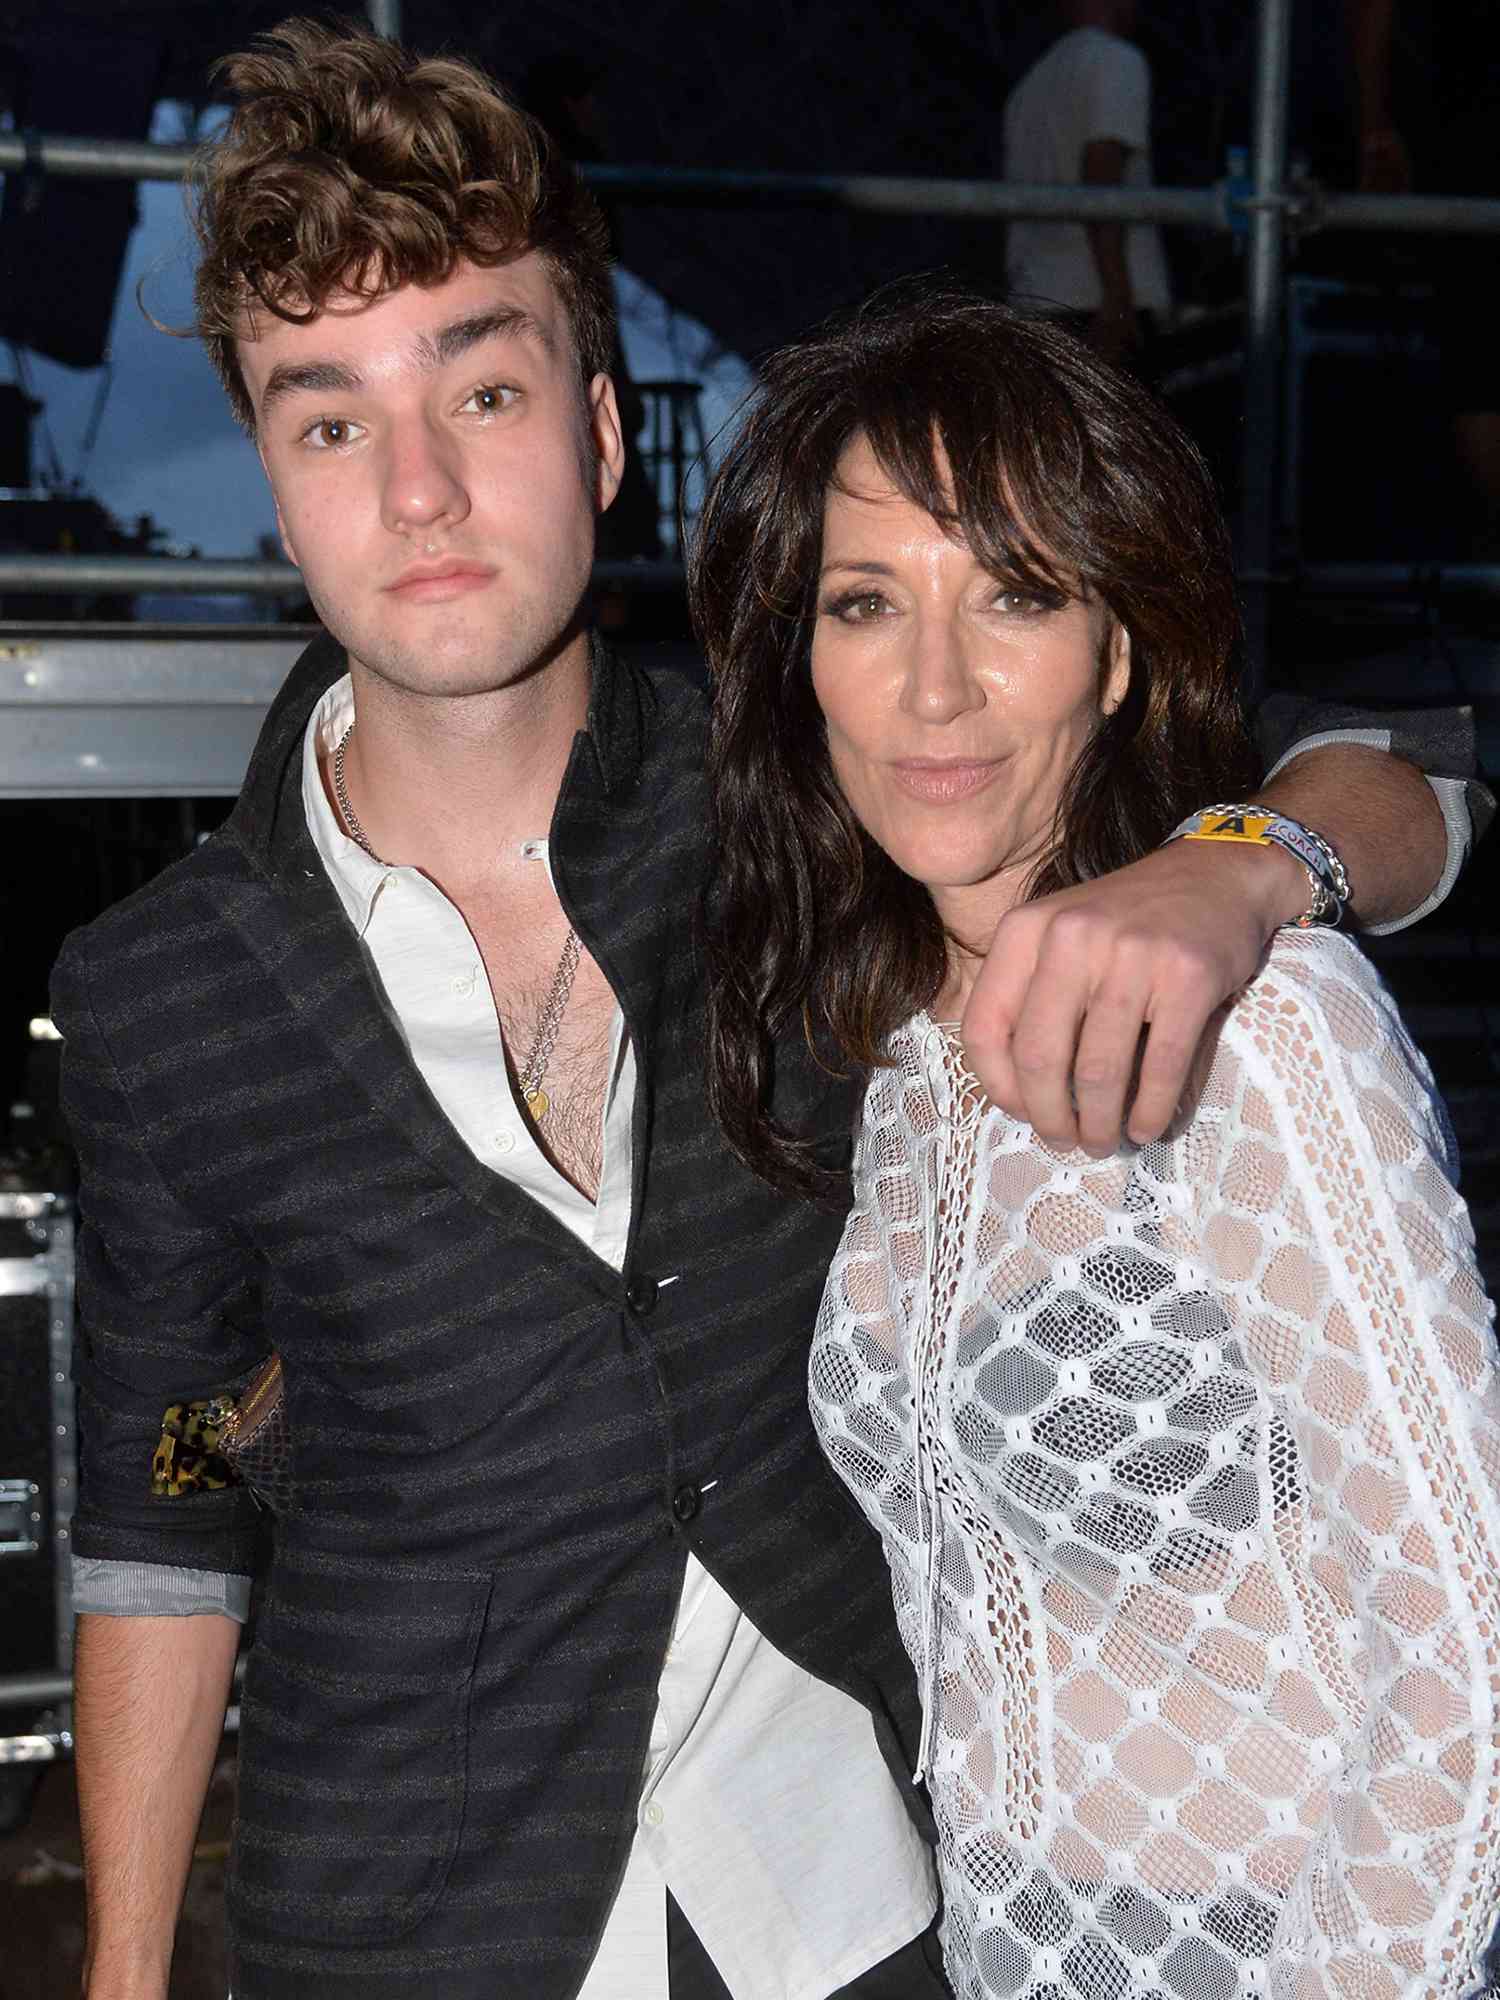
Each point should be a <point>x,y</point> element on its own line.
<point>574,1669</point>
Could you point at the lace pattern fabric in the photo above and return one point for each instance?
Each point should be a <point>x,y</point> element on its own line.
<point>1187,1466</point>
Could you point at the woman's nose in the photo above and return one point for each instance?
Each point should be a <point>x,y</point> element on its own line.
<point>941,681</point>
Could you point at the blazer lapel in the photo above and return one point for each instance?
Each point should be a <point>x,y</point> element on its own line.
<point>628,855</point>
<point>289,915</point>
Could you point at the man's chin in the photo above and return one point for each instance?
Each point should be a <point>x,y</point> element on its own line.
<point>452,671</point>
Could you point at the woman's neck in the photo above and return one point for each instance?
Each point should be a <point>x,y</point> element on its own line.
<point>970,915</point>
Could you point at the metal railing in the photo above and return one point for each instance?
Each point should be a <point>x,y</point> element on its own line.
<point>227,576</point>
<point>1215,207</point>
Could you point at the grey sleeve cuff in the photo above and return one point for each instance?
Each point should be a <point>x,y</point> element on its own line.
<point>156,1590</point>
<point>1453,797</point>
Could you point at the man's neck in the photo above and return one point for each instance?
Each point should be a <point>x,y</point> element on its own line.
<point>449,783</point>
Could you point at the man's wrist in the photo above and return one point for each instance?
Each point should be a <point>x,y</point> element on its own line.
<point>1261,827</point>
<point>1271,883</point>
<point>124,1975</point>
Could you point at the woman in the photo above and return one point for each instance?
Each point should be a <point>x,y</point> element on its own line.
<point>1186,1461</point>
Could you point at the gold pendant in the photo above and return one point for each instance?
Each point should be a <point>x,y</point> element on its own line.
<point>538,1103</point>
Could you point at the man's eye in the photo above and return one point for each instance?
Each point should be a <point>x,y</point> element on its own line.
<point>490,399</point>
<point>331,433</point>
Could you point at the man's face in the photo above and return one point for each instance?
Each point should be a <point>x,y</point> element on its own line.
<point>437,471</point>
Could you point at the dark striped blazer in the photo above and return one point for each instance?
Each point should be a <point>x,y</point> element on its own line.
<point>503,1448</point>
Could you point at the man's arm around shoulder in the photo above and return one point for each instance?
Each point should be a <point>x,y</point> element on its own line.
<point>150,1696</point>
<point>1055,1025</point>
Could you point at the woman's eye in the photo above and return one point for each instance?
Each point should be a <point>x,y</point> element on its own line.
<point>490,399</point>
<point>331,433</point>
<point>1017,604</point>
<point>859,606</point>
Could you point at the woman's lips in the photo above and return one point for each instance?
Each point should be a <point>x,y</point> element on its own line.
<point>943,781</point>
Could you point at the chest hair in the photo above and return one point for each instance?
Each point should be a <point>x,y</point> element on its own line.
<point>571,1130</point>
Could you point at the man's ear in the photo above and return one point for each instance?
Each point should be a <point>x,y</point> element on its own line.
<point>608,441</point>
<point>1117,669</point>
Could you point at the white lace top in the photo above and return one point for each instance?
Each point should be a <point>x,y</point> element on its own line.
<point>1187,1465</point>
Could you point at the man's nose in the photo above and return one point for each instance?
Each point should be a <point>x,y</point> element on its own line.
<point>424,483</point>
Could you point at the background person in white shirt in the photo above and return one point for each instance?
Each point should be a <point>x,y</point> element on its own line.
<point>1081,116</point>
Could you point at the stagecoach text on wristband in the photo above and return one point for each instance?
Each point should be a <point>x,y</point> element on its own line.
<point>1258,826</point>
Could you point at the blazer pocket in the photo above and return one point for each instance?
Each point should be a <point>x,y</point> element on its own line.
<point>354,1739</point>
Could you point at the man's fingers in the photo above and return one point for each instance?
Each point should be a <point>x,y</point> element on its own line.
<point>998,1080</point>
<point>1053,1030</point>
<point>1042,1050</point>
<point>1044,1046</point>
<point>1180,1013</point>
<point>1165,1064</point>
<point>1104,1066</point>
<point>994,1007</point>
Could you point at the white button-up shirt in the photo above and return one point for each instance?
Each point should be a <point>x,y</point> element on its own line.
<point>766,1806</point>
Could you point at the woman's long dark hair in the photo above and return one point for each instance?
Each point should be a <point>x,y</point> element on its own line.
<point>1059,473</point>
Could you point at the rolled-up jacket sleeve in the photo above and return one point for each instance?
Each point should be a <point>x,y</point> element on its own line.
<point>169,1310</point>
<point>153,1590</point>
<point>1439,741</point>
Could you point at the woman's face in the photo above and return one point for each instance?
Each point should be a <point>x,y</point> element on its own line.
<point>955,708</point>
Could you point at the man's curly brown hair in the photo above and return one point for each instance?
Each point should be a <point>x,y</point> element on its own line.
<point>352,165</point>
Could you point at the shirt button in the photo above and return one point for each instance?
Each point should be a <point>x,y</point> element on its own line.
<point>685,1503</point>
<point>653,1815</point>
<point>640,1293</point>
<point>505,1142</point>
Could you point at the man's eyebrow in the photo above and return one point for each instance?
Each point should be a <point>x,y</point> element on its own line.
<point>433,350</point>
<point>497,323</point>
<point>317,378</point>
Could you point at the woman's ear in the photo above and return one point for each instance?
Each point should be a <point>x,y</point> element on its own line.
<point>1116,669</point>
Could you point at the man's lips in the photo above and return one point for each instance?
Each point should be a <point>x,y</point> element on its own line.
<point>428,583</point>
<point>943,780</point>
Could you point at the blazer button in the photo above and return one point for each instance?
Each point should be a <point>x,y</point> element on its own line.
<point>685,1503</point>
<point>640,1293</point>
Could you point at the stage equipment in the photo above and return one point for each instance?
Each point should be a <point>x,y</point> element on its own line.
<point>38,1468</point>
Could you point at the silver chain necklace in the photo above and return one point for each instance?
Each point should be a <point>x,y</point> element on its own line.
<point>529,1080</point>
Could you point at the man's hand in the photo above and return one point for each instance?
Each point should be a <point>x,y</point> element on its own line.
<point>1053,1026</point>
